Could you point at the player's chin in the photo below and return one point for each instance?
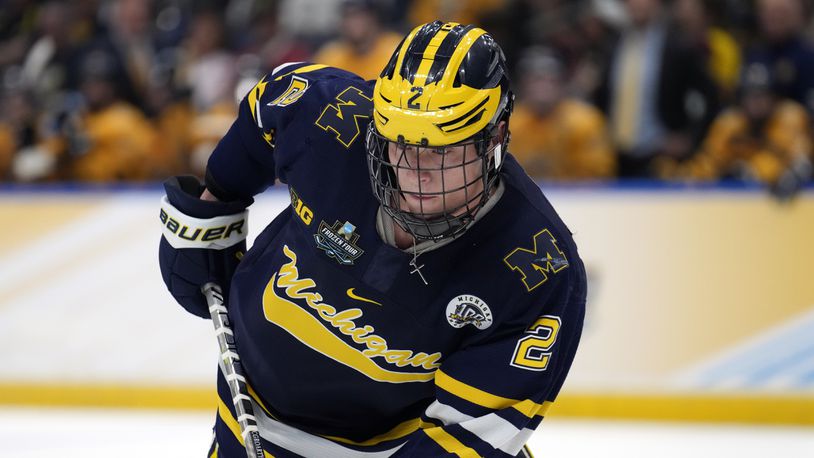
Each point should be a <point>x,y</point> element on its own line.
<point>422,205</point>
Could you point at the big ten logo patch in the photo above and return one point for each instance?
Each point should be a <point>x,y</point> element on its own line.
<point>534,264</point>
<point>302,210</point>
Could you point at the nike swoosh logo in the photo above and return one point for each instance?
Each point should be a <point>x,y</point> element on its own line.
<point>353,295</point>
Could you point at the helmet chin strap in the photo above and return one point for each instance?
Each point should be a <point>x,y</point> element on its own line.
<point>428,230</point>
<point>498,155</point>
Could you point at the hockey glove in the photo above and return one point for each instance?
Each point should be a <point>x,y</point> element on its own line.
<point>201,241</point>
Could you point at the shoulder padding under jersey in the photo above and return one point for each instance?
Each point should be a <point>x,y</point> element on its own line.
<point>277,121</point>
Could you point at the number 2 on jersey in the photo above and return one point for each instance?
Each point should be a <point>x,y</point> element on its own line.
<point>533,350</point>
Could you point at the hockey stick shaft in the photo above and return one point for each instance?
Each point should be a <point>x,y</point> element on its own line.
<point>233,370</point>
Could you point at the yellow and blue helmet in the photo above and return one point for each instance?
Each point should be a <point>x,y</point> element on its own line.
<point>447,84</point>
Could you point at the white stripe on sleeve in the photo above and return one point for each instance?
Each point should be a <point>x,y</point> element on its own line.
<point>447,414</point>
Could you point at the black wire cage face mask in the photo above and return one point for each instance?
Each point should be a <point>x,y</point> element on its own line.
<point>441,196</point>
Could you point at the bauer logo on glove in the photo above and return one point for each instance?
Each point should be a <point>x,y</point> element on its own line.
<point>184,231</point>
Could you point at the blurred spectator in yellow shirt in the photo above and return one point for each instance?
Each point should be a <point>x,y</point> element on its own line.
<point>764,139</point>
<point>364,46</point>
<point>170,110</point>
<point>553,136</point>
<point>108,140</point>
<point>695,20</point>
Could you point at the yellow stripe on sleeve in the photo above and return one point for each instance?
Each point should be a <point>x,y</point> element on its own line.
<point>229,419</point>
<point>256,398</point>
<point>530,408</point>
<point>449,443</point>
<point>482,398</point>
<point>214,452</point>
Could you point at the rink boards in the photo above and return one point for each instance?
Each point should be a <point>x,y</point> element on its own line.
<point>701,304</point>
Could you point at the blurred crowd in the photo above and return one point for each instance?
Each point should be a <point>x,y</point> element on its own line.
<point>684,90</point>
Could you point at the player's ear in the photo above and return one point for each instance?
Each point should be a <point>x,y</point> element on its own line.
<point>502,129</point>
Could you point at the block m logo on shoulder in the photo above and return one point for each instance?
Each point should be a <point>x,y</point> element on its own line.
<point>535,263</point>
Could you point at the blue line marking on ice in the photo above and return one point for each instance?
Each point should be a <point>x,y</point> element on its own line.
<point>776,367</point>
<point>780,352</point>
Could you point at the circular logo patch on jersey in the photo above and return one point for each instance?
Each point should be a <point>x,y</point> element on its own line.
<point>467,309</point>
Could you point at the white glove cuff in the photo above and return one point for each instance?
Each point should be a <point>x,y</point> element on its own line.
<point>184,231</point>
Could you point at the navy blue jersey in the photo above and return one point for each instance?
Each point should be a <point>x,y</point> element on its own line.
<point>348,352</point>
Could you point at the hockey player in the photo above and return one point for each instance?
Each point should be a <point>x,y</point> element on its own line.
<point>437,315</point>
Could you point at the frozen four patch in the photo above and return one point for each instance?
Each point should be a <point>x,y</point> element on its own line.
<point>339,242</point>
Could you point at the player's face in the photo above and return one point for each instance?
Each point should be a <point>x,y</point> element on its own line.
<point>435,182</point>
